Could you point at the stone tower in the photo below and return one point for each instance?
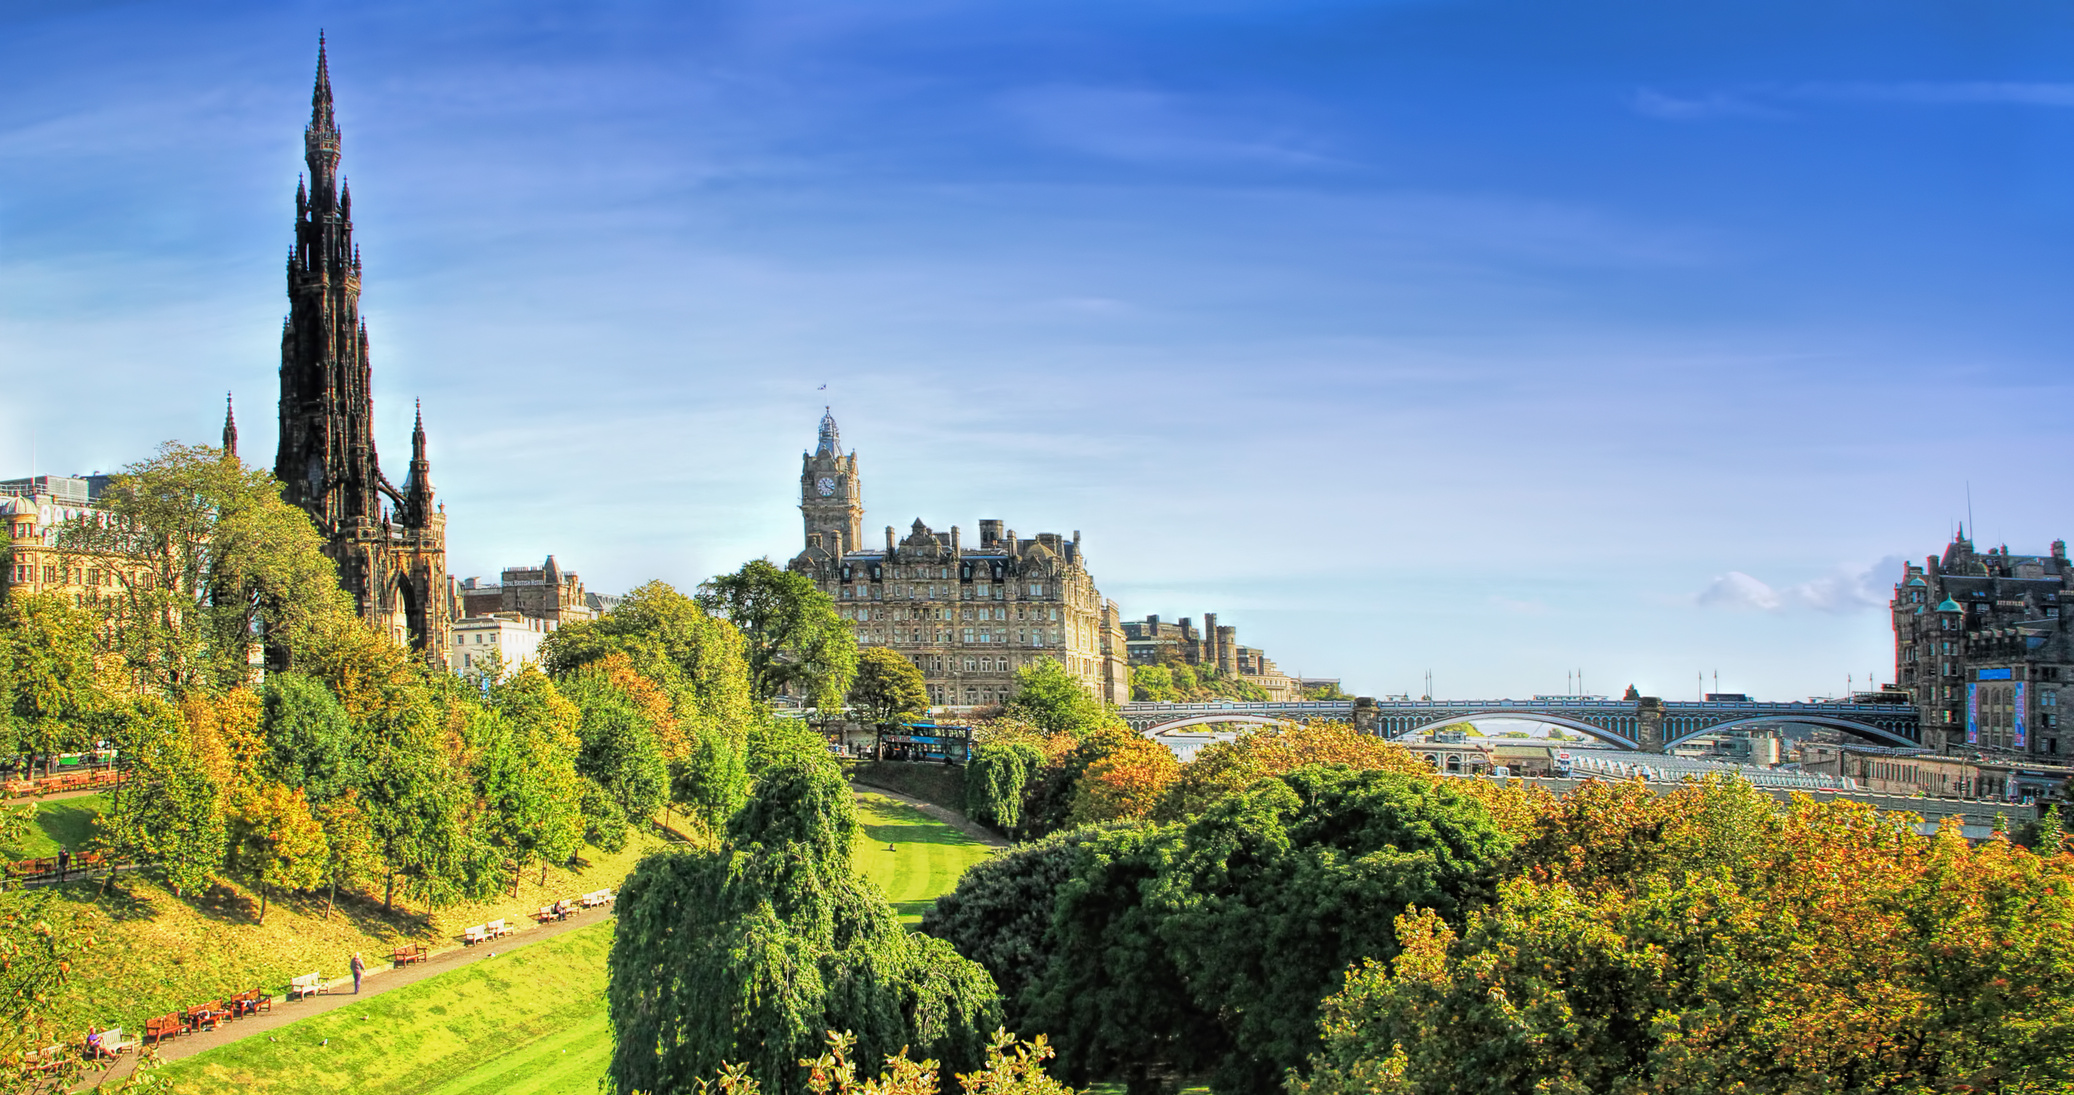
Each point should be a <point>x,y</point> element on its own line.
<point>830,496</point>
<point>389,544</point>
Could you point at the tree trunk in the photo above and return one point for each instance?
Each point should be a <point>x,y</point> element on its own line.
<point>262,903</point>
<point>389,896</point>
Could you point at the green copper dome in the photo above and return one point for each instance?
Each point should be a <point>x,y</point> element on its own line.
<point>1949,605</point>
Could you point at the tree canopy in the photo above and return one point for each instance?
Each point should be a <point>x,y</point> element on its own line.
<point>793,640</point>
<point>1048,697</point>
<point>209,562</point>
<point>888,687</point>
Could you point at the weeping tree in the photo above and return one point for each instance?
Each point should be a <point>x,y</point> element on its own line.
<point>752,951</point>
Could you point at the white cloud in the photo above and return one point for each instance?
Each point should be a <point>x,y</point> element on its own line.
<point>1736,589</point>
<point>1846,590</point>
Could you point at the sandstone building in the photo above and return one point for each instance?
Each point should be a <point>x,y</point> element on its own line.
<point>545,592</point>
<point>1152,641</point>
<point>967,615</point>
<point>389,542</point>
<point>1981,645</point>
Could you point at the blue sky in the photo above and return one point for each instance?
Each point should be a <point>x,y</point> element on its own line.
<point>1491,339</point>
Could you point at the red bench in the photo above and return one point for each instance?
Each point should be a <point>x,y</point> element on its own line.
<point>163,1027</point>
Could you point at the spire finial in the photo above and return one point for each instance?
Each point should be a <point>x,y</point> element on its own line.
<point>831,443</point>
<point>230,428</point>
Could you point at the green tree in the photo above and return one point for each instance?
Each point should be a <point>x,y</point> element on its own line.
<point>525,752</point>
<point>698,658</point>
<point>1328,690</point>
<point>1274,893</point>
<point>213,562</point>
<point>793,639</point>
<point>1111,999</point>
<point>620,755</point>
<point>888,687</point>
<point>166,808</point>
<point>1000,914</point>
<point>276,842</point>
<point>997,777</point>
<point>1048,697</point>
<point>47,664</point>
<point>751,951</point>
<point>310,741</point>
<point>1154,684</point>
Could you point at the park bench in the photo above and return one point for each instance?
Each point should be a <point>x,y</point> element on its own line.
<point>497,929</point>
<point>306,985</point>
<point>471,936</point>
<point>210,1015</point>
<point>163,1027</point>
<point>596,898</point>
<point>249,1001</point>
<point>406,954</point>
<point>105,1043</point>
<point>546,913</point>
<point>15,788</point>
<point>47,1059</point>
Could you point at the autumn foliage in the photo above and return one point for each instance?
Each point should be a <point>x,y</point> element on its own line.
<point>1706,940</point>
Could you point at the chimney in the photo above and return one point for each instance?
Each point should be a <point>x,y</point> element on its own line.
<point>889,539</point>
<point>1014,545</point>
<point>955,548</point>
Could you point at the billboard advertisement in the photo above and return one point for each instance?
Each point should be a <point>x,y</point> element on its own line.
<point>2019,741</point>
<point>1972,713</point>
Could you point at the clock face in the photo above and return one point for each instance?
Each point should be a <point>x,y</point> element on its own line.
<point>826,487</point>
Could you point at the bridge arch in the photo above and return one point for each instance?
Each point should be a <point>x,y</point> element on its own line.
<point>1524,715</point>
<point>1878,734</point>
<point>1205,720</point>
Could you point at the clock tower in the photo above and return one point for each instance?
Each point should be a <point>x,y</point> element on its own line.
<point>830,497</point>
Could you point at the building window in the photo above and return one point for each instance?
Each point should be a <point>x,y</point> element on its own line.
<point>968,638</point>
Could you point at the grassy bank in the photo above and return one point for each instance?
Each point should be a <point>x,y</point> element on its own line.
<point>532,1024</point>
<point>542,1005</point>
<point>941,784</point>
<point>154,952</point>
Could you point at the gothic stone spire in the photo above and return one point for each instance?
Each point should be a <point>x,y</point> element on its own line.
<point>230,428</point>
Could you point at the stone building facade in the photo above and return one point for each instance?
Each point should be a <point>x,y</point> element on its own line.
<point>1152,641</point>
<point>1982,647</point>
<point>389,542</point>
<point>967,615</point>
<point>545,592</point>
<point>32,511</point>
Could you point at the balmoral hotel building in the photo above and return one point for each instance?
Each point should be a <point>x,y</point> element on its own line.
<point>967,615</point>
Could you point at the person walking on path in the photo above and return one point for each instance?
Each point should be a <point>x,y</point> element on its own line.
<point>359,967</point>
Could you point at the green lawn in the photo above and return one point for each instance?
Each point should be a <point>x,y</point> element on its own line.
<point>542,1006</point>
<point>929,860</point>
<point>533,1023</point>
<point>60,823</point>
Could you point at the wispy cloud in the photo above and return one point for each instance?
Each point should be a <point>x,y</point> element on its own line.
<point>1843,591</point>
<point>1950,92</point>
<point>1773,100</point>
<point>1720,104</point>
<point>1156,126</point>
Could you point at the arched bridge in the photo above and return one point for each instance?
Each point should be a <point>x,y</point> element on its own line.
<point>1646,724</point>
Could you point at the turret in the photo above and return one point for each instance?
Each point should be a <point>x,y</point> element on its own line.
<point>417,486</point>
